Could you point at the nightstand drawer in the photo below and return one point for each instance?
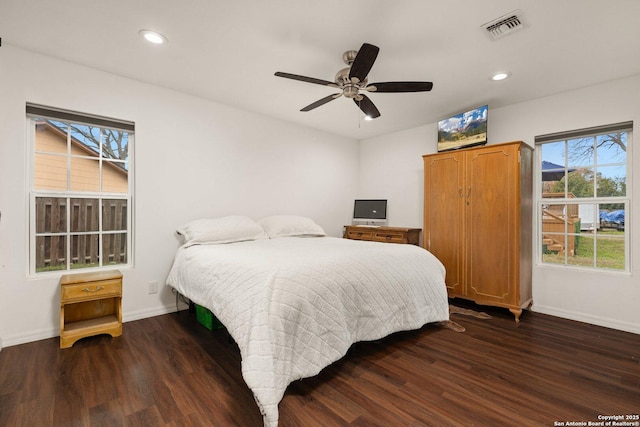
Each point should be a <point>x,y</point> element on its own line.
<point>91,290</point>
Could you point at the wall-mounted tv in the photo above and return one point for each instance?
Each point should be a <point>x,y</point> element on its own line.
<point>370,210</point>
<point>463,130</point>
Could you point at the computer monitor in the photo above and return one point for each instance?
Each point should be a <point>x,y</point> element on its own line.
<point>370,210</point>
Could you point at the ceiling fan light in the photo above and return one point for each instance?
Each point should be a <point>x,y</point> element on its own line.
<point>354,79</point>
<point>153,37</point>
<point>500,76</point>
<point>368,118</point>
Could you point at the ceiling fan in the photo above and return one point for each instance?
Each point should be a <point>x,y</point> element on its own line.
<point>353,79</point>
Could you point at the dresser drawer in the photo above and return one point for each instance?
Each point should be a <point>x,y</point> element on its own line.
<point>390,237</point>
<point>383,234</point>
<point>360,235</point>
<point>91,290</point>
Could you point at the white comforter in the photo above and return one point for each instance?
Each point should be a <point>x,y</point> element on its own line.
<point>295,305</point>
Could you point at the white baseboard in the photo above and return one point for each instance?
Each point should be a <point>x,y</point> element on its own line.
<point>27,337</point>
<point>32,336</point>
<point>143,314</point>
<point>158,311</point>
<point>587,318</point>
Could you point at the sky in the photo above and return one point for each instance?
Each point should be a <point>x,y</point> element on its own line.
<point>459,121</point>
<point>610,161</point>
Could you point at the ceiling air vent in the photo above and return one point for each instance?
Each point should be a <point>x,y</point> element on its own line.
<point>504,25</point>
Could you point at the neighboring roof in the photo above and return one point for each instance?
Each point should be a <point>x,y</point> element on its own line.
<point>553,172</point>
<point>90,151</point>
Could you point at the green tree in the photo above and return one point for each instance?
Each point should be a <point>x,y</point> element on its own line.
<point>608,187</point>
<point>580,183</point>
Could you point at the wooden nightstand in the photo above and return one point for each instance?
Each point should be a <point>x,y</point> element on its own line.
<point>90,304</point>
<point>383,234</point>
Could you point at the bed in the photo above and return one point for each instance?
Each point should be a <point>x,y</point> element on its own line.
<point>295,300</point>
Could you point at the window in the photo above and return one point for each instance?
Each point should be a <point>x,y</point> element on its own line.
<point>80,190</point>
<point>583,202</point>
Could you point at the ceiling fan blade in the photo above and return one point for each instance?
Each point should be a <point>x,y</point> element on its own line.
<point>400,87</point>
<point>363,62</point>
<point>321,102</point>
<point>306,79</point>
<point>367,107</point>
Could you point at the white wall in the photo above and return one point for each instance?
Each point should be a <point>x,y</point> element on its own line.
<point>391,166</point>
<point>193,158</point>
<point>196,158</point>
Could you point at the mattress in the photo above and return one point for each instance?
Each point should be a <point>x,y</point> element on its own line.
<point>295,305</point>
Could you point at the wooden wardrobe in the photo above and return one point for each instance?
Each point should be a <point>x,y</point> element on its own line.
<point>477,221</point>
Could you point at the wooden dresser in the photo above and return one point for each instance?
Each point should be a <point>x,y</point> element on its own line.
<point>90,304</point>
<point>478,222</point>
<point>409,236</point>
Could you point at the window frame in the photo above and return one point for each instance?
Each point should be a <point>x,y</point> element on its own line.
<point>34,112</point>
<point>625,200</point>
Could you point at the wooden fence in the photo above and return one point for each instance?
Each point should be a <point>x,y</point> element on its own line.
<point>51,221</point>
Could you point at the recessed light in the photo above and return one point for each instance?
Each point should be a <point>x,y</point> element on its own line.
<point>153,37</point>
<point>500,76</point>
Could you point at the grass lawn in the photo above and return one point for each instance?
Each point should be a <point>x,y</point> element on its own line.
<point>609,246</point>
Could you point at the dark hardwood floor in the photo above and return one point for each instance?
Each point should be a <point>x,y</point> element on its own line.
<point>170,371</point>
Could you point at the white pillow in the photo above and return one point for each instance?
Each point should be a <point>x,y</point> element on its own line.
<point>226,229</point>
<point>290,225</point>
